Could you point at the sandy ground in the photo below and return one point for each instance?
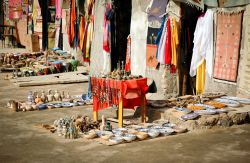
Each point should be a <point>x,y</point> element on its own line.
<point>21,141</point>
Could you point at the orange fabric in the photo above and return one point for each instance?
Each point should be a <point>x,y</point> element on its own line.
<point>81,32</point>
<point>130,91</point>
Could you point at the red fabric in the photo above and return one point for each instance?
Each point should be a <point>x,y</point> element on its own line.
<point>168,53</point>
<point>131,91</point>
<point>71,30</point>
<point>128,55</point>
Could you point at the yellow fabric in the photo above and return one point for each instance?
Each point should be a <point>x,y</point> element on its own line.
<point>89,39</point>
<point>174,41</point>
<point>200,78</point>
<point>35,13</point>
<point>81,33</point>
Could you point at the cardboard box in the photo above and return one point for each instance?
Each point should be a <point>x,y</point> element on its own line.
<point>33,43</point>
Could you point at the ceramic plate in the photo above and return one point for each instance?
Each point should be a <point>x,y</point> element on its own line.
<point>190,116</point>
<point>205,106</point>
<point>222,110</point>
<point>66,105</point>
<point>169,125</point>
<point>228,102</point>
<point>205,112</point>
<point>240,100</point>
<point>129,137</point>
<point>184,110</point>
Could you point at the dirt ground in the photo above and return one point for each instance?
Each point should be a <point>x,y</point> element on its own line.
<point>21,141</point>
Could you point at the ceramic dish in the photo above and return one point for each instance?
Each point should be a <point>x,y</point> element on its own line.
<point>90,135</point>
<point>205,106</point>
<point>81,103</point>
<point>156,127</point>
<point>189,116</point>
<point>228,102</point>
<point>57,105</point>
<point>166,131</point>
<point>129,137</point>
<point>142,130</point>
<point>205,112</point>
<point>116,139</point>
<point>120,130</point>
<point>141,135</point>
<point>153,133</point>
<point>42,106</point>
<point>66,105</point>
<point>168,125</point>
<point>222,110</point>
<point>74,104</point>
<point>184,110</point>
<point>240,100</point>
<point>100,133</point>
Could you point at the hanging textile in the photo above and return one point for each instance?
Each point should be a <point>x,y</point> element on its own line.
<point>162,45</point>
<point>71,29</point>
<point>227,51</point>
<point>200,78</point>
<point>106,38</point>
<point>174,42</point>
<point>128,55</point>
<point>35,12</point>
<point>203,44</point>
<point>59,9</point>
<point>81,31</point>
<point>168,53</point>
<point>15,9</point>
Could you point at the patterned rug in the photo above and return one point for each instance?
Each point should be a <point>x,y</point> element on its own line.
<point>227,45</point>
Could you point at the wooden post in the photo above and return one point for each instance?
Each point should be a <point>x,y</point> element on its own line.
<point>95,115</point>
<point>143,109</point>
<point>120,112</point>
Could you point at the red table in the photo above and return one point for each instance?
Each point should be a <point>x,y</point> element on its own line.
<point>124,93</point>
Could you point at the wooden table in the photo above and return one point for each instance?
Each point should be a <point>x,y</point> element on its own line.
<point>9,34</point>
<point>124,93</point>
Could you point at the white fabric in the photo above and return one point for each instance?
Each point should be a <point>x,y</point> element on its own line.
<point>57,37</point>
<point>107,63</point>
<point>138,31</point>
<point>162,44</point>
<point>203,44</point>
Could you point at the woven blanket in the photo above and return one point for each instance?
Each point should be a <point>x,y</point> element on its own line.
<point>227,45</point>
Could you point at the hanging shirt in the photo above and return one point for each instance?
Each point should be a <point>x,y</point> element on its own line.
<point>203,44</point>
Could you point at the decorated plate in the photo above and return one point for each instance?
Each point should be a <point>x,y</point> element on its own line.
<point>129,137</point>
<point>240,100</point>
<point>66,105</point>
<point>205,112</point>
<point>190,116</point>
<point>205,106</point>
<point>228,102</point>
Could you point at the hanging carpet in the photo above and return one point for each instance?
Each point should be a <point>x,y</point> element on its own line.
<point>227,45</point>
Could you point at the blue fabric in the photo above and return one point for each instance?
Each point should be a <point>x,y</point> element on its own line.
<point>160,34</point>
<point>89,94</point>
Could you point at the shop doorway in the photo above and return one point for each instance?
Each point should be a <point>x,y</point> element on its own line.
<point>122,20</point>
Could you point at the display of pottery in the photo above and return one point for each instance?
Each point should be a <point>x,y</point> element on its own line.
<point>245,101</point>
<point>141,135</point>
<point>228,102</point>
<point>129,137</point>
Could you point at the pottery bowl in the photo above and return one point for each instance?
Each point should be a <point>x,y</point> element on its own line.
<point>100,133</point>
<point>165,131</point>
<point>90,135</point>
<point>129,137</point>
<point>141,135</point>
<point>106,136</point>
<point>153,133</point>
<point>42,106</point>
<point>57,105</point>
<point>116,139</point>
<point>74,104</point>
<point>143,130</point>
<point>66,105</point>
<point>169,125</point>
<point>81,103</point>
